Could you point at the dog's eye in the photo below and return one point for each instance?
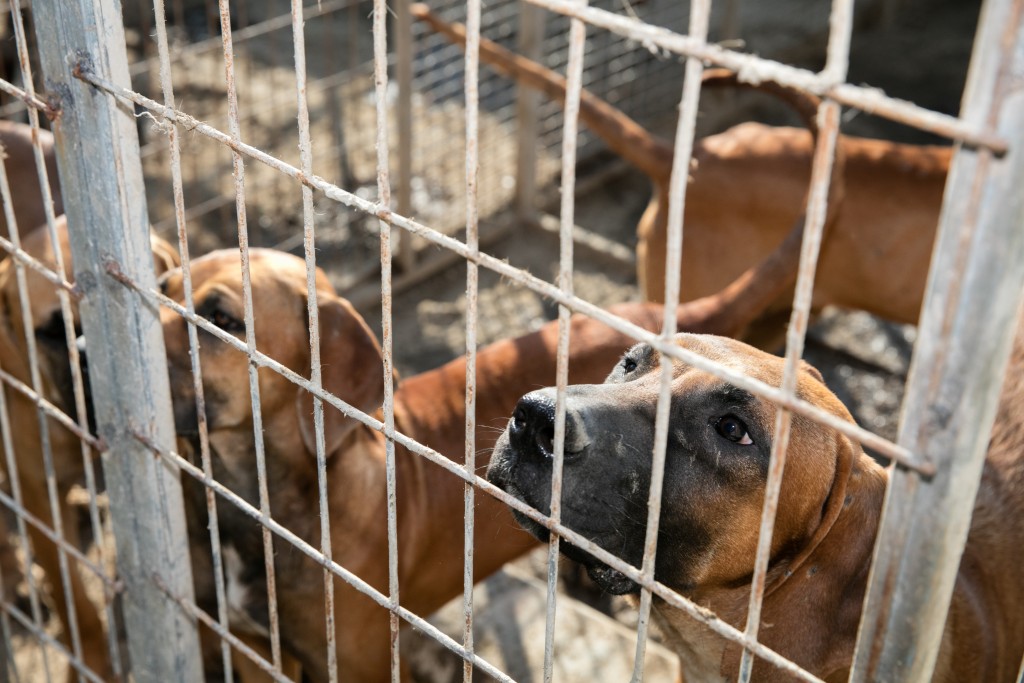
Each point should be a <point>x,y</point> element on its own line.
<point>225,321</point>
<point>628,365</point>
<point>734,429</point>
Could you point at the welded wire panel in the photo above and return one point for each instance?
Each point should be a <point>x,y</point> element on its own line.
<point>100,168</point>
<point>241,216</point>
<point>453,86</point>
<point>700,14</point>
<point>472,94</point>
<point>574,84</point>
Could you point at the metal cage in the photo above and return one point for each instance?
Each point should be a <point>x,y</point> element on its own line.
<point>451,147</point>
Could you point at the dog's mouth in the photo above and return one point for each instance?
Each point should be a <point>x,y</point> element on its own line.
<point>612,580</point>
<point>609,580</point>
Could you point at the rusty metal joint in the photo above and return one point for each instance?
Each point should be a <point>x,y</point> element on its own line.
<point>113,269</point>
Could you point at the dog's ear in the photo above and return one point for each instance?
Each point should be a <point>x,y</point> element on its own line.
<point>819,591</point>
<point>352,369</point>
<point>165,256</point>
<point>814,372</point>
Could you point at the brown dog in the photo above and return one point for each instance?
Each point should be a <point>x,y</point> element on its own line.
<point>748,187</point>
<point>18,154</point>
<point>46,325</point>
<point>429,407</point>
<point>716,466</point>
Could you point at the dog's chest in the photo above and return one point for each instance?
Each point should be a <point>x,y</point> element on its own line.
<point>245,593</point>
<point>699,649</point>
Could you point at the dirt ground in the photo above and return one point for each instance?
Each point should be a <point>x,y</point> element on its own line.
<point>922,57</point>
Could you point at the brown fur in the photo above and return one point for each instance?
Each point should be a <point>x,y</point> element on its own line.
<point>47,327</point>
<point>747,189</point>
<point>428,407</point>
<point>22,176</point>
<point>829,509</point>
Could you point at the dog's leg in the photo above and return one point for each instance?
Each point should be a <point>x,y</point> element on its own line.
<point>90,628</point>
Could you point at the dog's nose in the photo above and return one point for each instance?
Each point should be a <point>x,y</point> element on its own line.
<point>532,430</point>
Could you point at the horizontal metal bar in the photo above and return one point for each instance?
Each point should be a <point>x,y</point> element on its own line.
<point>41,635</point>
<point>755,69</point>
<point>23,257</point>
<point>898,454</point>
<point>52,410</point>
<point>310,551</point>
<point>194,611</point>
<point>113,585</point>
<point>31,100</point>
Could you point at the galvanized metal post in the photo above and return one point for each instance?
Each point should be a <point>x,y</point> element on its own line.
<point>101,175</point>
<point>966,329</point>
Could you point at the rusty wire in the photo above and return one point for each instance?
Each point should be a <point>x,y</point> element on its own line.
<point>472,289</point>
<point>213,520</point>
<point>238,166</point>
<point>574,85</point>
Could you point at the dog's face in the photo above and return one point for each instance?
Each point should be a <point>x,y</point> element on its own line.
<point>350,355</point>
<point>719,441</point>
<point>45,321</point>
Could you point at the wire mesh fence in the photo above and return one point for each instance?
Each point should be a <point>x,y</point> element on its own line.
<point>311,505</point>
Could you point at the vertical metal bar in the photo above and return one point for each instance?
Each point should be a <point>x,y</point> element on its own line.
<point>841,28</point>
<point>380,73</point>
<point>700,17</point>
<point>403,74</point>
<point>316,374</point>
<point>570,134</point>
<point>213,520</point>
<point>99,162</point>
<point>964,338</point>
<point>530,44</point>
<point>472,83</point>
<point>11,461</point>
<point>250,334</point>
<point>828,123</point>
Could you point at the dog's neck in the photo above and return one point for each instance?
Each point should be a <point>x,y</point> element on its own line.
<point>793,620</point>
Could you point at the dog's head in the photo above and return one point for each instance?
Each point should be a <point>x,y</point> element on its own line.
<point>45,321</point>
<point>718,446</point>
<point>350,356</point>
